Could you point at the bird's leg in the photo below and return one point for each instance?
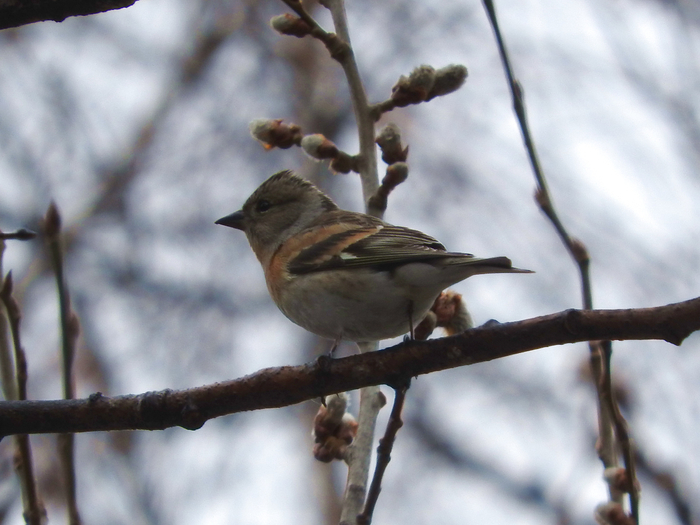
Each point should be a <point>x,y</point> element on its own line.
<point>410,321</point>
<point>324,360</point>
<point>336,342</point>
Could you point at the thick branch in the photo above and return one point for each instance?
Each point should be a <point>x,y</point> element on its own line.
<point>14,13</point>
<point>288,385</point>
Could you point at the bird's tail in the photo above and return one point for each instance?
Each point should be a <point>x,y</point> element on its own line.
<point>491,265</point>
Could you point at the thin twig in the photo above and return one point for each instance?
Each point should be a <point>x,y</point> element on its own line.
<point>367,161</point>
<point>360,452</point>
<point>386,444</point>
<point>371,398</point>
<point>622,433</point>
<point>69,335</point>
<point>341,50</point>
<point>33,509</point>
<point>577,250</point>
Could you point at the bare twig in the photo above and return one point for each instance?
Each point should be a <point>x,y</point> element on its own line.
<point>607,448</point>
<point>360,453</point>
<point>69,335</point>
<point>341,50</point>
<point>288,385</point>
<point>622,432</point>
<point>386,444</point>
<point>34,511</point>
<point>367,161</point>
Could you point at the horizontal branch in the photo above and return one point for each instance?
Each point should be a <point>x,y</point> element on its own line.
<point>14,13</point>
<point>288,385</point>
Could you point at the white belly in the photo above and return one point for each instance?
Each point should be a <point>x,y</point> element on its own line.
<point>356,305</point>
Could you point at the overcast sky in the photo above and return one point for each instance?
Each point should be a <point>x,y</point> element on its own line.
<point>141,138</point>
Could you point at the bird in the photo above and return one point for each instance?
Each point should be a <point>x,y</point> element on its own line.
<point>345,275</point>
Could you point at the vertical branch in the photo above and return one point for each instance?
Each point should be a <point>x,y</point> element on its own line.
<point>607,407</point>
<point>69,335</point>
<point>360,453</point>
<point>34,511</point>
<point>367,162</point>
<point>371,398</point>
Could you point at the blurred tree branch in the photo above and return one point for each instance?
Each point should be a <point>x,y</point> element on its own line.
<point>14,13</point>
<point>288,385</point>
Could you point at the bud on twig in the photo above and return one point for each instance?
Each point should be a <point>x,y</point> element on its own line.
<point>395,175</point>
<point>389,140</point>
<point>275,134</point>
<point>542,199</point>
<point>334,429</point>
<point>578,249</point>
<point>447,80</point>
<point>344,163</point>
<point>618,480</point>
<point>288,24</point>
<point>423,84</point>
<point>319,147</point>
<point>414,88</point>
<point>449,311</point>
<point>452,313</point>
<point>612,513</point>
<point>52,222</point>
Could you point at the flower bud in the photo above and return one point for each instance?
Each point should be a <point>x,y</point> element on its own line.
<point>447,80</point>
<point>343,163</point>
<point>288,24</point>
<point>389,140</point>
<point>334,429</point>
<point>274,133</point>
<point>52,221</point>
<point>319,147</point>
<point>451,312</point>
<point>612,513</point>
<point>414,88</point>
<point>395,175</point>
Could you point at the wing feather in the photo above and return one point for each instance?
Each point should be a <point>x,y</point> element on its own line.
<point>373,244</point>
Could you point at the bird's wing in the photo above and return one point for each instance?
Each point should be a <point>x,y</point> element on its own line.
<point>370,244</point>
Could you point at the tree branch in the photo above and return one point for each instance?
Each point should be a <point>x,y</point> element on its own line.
<point>288,385</point>
<point>14,13</point>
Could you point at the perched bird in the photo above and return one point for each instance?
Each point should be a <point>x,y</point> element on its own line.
<point>345,275</point>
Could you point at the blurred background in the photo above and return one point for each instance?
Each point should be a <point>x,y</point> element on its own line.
<point>135,122</point>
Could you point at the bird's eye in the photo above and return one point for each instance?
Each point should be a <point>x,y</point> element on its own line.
<point>262,206</point>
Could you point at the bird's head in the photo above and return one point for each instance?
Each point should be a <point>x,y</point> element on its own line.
<point>282,206</point>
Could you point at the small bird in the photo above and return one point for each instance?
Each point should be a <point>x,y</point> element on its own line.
<point>345,275</point>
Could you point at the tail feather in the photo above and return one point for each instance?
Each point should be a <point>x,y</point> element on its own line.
<point>492,265</point>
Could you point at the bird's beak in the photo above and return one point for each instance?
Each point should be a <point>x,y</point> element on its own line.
<point>235,220</point>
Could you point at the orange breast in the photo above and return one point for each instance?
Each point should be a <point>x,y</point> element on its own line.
<point>276,274</point>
